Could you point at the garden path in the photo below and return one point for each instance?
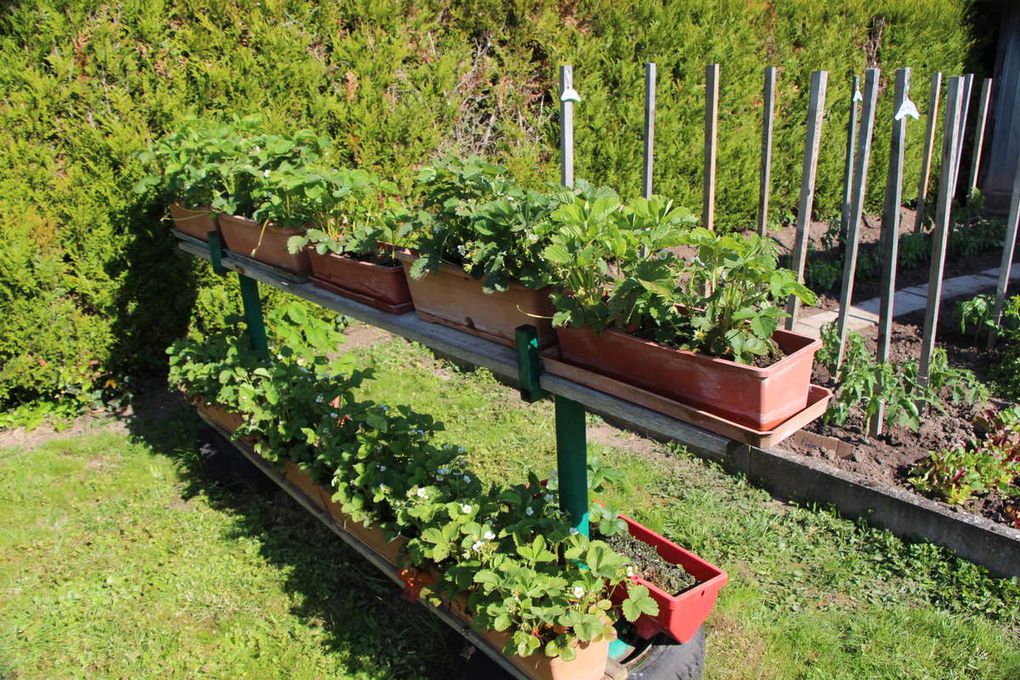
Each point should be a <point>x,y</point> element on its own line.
<point>907,301</point>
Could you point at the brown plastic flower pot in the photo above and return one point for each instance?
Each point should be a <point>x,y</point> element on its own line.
<point>264,243</point>
<point>299,478</point>
<point>225,419</point>
<point>373,537</point>
<point>195,222</point>
<point>589,664</point>
<point>452,298</point>
<point>380,286</point>
<point>761,398</point>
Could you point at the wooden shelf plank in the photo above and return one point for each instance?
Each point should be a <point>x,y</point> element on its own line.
<point>497,358</point>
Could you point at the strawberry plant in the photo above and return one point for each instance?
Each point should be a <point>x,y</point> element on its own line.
<point>476,217</point>
<point>616,269</point>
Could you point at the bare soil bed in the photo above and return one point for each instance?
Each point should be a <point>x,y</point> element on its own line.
<point>890,457</point>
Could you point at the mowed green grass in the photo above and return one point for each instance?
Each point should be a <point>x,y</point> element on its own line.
<point>121,557</point>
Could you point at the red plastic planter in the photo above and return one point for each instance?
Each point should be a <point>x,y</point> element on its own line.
<point>760,398</point>
<point>680,616</point>
<point>372,284</point>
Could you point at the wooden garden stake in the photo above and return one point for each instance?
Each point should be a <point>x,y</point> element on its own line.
<point>968,85</point>
<point>649,127</point>
<point>816,111</point>
<point>979,135</point>
<point>711,134</point>
<point>857,207</point>
<point>848,168</point>
<point>768,107</point>
<point>953,131</point>
<point>568,96</point>
<point>891,225</point>
<point>1005,268</point>
<point>929,148</point>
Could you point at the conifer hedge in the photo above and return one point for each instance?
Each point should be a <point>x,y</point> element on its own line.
<point>88,284</point>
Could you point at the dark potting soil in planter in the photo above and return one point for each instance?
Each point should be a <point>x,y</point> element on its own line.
<point>671,578</point>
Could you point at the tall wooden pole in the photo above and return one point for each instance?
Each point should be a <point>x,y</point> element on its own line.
<point>646,189</point>
<point>857,208</point>
<point>891,229</point>
<point>567,98</point>
<point>929,148</point>
<point>711,134</point>
<point>979,135</point>
<point>767,111</point>
<point>940,232</point>
<point>848,167</point>
<point>816,112</point>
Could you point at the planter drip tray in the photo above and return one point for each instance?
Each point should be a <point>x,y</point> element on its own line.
<point>818,401</point>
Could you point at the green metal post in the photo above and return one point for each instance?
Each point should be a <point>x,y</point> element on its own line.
<point>216,253</point>
<point>253,314</point>
<point>529,366</point>
<point>572,462</point>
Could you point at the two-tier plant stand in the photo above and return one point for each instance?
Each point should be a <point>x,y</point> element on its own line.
<point>521,365</point>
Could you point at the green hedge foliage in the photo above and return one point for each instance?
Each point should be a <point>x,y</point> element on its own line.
<point>88,284</point>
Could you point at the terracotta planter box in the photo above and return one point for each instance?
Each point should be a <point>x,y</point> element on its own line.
<point>589,664</point>
<point>225,419</point>
<point>372,284</point>
<point>299,478</point>
<point>680,615</point>
<point>373,537</point>
<point>760,398</point>
<point>452,298</point>
<point>195,222</point>
<point>268,245</point>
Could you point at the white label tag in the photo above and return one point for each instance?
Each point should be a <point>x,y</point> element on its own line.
<point>570,95</point>
<point>907,109</point>
<point>858,97</point>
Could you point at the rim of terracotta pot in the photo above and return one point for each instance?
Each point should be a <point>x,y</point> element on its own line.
<point>409,255</point>
<point>367,264</point>
<point>765,372</point>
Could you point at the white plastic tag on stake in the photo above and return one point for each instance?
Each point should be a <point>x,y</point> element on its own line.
<point>570,95</point>
<point>907,109</point>
<point>858,97</point>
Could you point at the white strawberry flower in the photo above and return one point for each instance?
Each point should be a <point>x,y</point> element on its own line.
<point>466,509</point>
<point>488,535</point>
<point>422,493</point>
<point>477,546</point>
<point>578,592</point>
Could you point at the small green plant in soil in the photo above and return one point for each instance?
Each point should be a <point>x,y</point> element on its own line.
<point>668,577</point>
<point>989,465</point>
<point>863,384</point>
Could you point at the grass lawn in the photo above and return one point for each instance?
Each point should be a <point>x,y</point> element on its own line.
<point>120,556</point>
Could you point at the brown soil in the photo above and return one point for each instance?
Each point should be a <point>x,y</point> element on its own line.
<point>889,458</point>
<point>671,578</point>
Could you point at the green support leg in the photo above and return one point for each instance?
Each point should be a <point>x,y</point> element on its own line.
<point>253,314</point>
<point>572,462</point>
<point>529,366</point>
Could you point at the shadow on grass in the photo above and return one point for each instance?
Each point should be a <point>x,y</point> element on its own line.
<point>366,621</point>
